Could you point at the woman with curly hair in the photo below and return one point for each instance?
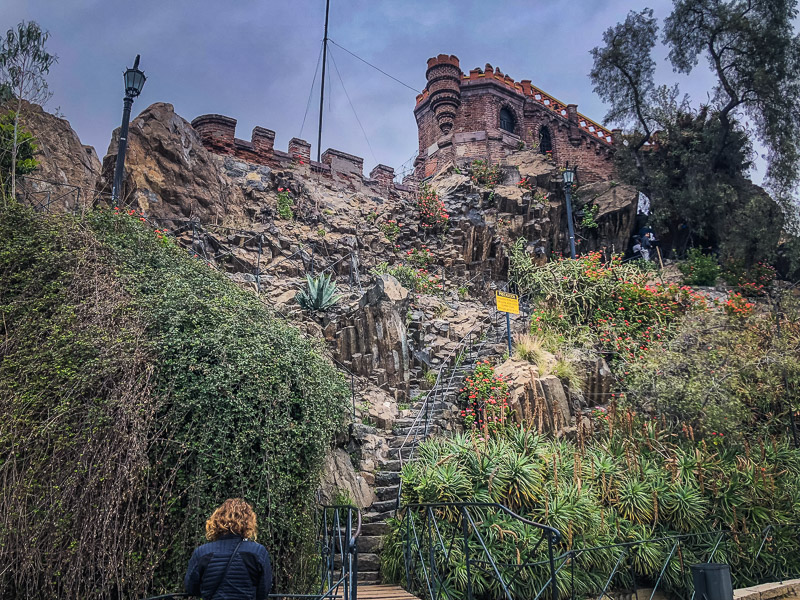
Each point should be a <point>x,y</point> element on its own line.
<point>231,566</point>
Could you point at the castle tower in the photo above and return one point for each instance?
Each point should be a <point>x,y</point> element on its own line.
<point>444,87</point>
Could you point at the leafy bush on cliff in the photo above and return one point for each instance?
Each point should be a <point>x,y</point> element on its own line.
<point>633,481</point>
<point>139,389</point>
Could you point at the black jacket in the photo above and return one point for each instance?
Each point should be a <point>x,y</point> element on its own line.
<point>248,578</point>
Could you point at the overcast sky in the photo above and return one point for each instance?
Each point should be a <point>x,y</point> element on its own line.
<point>254,60</point>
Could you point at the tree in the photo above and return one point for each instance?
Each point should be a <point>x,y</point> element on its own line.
<point>24,62</point>
<point>623,76</point>
<point>754,52</point>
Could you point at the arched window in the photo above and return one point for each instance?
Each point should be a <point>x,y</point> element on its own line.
<point>545,141</point>
<point>506,120</point>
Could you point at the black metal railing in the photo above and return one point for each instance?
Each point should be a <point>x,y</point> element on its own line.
<point>447,553</point>
<point>664,563</point>
<point>338,528</point>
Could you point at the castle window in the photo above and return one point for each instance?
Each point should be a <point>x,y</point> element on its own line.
<point>506,120</point>
<point>545,141</point>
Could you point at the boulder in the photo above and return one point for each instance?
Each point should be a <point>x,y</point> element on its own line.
<point>339,476</point>
<point>63,161</point>
<point>616,215</point>
<point>168,172</point>
<point>539,400</point>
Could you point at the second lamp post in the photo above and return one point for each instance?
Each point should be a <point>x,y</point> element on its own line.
<point>569,179</point>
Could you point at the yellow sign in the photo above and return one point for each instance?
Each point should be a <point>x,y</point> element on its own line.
<point>508,303</point>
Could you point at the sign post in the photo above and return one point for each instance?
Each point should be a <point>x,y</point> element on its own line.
<point>507,303</point>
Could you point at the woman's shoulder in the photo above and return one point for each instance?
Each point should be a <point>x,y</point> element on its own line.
<point>254,547</point>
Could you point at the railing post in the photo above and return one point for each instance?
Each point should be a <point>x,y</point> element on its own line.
<point>551,558</point>
<point>431,555</point>
<point>465,531</point>
<point>258,264</point>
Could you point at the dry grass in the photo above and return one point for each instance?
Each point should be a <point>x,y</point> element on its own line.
<point>531,348</point>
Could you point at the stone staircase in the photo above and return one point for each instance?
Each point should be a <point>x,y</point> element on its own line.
<point>440,404</point>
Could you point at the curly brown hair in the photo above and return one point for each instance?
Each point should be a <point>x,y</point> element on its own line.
<point>235,516</point>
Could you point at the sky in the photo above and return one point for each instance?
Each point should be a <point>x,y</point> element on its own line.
<point>255,60</point>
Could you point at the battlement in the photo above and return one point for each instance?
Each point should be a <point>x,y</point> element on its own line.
<point>218,135</point>
<point>487,114</point>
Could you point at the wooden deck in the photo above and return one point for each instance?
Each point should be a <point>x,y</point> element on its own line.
<point>383,592</point>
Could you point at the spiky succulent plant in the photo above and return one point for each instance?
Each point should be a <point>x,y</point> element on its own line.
<point>319,295</point>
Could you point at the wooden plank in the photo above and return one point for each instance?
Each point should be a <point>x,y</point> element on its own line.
<point>383,592</point>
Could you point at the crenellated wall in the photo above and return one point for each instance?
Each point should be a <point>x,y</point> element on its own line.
<point>459,118</point>
<point>218,135</point>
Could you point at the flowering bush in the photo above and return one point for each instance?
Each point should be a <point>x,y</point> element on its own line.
<point>285,204</point>
<point>420,257</point>
<point>483,173</point>
<point>485,396</point>
<point>752,281</point>
<point>525,184</point>
<point>432,212</point>
<point>608,306</point>
<point>391,229</point>
<point>737,306</point>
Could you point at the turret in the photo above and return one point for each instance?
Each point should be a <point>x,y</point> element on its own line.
<point>444,86</point>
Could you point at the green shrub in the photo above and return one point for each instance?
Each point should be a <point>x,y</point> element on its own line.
<point>145,388</point>
<point>699,268</point>
<point>285,204</point>
<point>481,172</point>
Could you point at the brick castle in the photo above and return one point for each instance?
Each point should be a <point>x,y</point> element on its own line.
<point>487,114</point>
<point>484,114</point>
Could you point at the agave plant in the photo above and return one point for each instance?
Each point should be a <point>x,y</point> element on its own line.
<point>319,295</point>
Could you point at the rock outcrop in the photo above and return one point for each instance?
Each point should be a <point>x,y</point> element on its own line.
<point>63,160</point>
<point>537,399</point>
<point>616,215</point>
<point>168,172</point>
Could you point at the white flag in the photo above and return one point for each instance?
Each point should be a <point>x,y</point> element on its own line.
<point>644,205</point>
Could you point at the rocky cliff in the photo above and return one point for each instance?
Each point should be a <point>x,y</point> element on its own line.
<point>68,170</point>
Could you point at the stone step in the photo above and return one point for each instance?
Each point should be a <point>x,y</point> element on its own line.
<point>387,492</point>
<point>395,452</point>
<point>387,477</point>
<point>432,429</point>
<point>391,465</point>
<point>369,544</point>
<point>368,576</point>
<point>384,505</point>
<point>379,528</point>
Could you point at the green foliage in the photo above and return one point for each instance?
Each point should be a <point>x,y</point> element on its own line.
<point>26,149</point>
<point>391,229</point>
<point>419,257</point>
<point>319,295</point>
<point>482,173</point>
<point>588,221</point>
<point>285,203</point>
<point>730,376</point>
<point>119,345</point>
<point>699,268</point>
<point>634,481</point>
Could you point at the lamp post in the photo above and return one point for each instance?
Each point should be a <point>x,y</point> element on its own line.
<point>134,82</point>
<point>569,179</point>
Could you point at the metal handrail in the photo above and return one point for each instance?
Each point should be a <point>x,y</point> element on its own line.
<point>425,547</point>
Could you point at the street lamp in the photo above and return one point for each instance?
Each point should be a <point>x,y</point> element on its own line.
<point>569,179</point>
<point>134,82</point>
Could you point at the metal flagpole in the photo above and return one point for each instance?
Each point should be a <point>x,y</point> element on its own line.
<point>322,86</point>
